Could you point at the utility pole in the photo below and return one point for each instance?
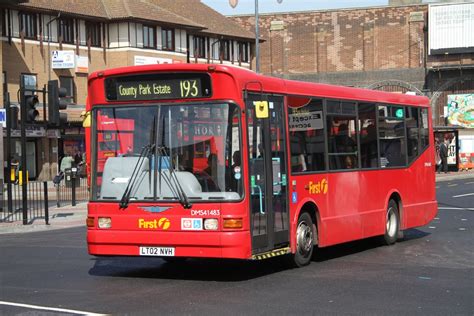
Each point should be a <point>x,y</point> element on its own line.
<point>24,178</point>
<point>8,145</point>
<point>233,4</point>
<point>49,44</point>
<point>2,175</point>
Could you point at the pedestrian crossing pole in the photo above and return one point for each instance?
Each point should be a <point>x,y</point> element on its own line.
<point>24,184</point>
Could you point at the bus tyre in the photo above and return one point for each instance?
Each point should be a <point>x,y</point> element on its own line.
<point>392,223</point>
<point>304,240</point>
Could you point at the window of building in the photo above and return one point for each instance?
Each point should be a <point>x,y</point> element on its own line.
<point>225,49</point>
<point>66,30</point>
<point>392,136</point>
<point>167,39</point>
<point>368,135</point>
<point>29,82</point>
<point>199,46</point>
<point>28,24</point>
<point>244,52</point>
<point>93,33</point>
<point>149,36</point>
<point>4,83</point>
<point>306,129</point>
<point>68,84</point>
<point>5,22</point>
<point>342,135</point>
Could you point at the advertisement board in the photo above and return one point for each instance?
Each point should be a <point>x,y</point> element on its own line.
<point>145,60</point>
<point>460,110</point>
<point>82,64</point>
<point>450,28</point>
<point>63,59</point>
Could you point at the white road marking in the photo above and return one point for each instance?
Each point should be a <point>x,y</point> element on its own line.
<point>462,195</point>
<point>469,183</point>
<point>456,208</point>
<point>72,311</point>
<point>463,219</point>
<point>462,228</point>
<point>452,185</point>
<point>432,227</point>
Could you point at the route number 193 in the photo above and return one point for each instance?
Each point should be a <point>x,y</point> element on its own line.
<point>189,88</point>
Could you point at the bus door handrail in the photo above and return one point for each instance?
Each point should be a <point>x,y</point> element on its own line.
<point>260,196</point>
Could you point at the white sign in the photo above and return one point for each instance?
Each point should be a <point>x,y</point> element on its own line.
<point>53,133</point>
<point>82,64</point>
<point>304,121</point>
<point>145,60</point>
<point>451,27</point>
<point>31,131</point>
<point>63,59</point>
<point>3,117</point>
<point>452,151</point>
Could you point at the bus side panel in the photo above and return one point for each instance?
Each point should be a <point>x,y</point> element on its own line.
<point>418,192</point>
<point>342,218</point>
<point>371,203</point>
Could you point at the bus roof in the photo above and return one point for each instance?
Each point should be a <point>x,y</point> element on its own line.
<point>247,79</point>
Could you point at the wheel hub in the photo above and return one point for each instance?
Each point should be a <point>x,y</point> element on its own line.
<point>304,238</point>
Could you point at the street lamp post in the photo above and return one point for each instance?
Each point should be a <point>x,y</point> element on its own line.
<point>49,42</point>
<point>233,4</point>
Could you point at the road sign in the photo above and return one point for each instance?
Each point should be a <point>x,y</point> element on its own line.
<point>3,117</point>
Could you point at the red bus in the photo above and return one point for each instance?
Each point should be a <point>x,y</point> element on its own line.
<point>226,163</point>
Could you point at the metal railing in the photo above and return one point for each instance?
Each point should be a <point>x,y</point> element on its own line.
<point>41,196</point>
<point>37,203</point>
<point>71,192</point>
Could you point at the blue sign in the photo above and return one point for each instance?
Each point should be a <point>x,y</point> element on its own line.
<point>3,117</point>
<point>197,223</point>
<point>294,198</point>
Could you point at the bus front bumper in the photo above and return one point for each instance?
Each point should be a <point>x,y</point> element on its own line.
<point>204,244</point>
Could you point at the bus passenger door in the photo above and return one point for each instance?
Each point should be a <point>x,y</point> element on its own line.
<point>268,175</point>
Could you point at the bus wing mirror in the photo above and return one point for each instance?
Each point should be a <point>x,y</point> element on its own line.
<point>261,109</point>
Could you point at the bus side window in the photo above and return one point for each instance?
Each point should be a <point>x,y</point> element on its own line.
<point>306,130</point>
<point>368,135</point>
<point>392,138</point>
<point>342,135</point>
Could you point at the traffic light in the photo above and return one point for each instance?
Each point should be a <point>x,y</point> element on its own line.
<point>13,117</point>
<point>31,112</point>
<point>56,103</point>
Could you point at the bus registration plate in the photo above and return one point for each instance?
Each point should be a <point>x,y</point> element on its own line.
<point>157,251</point>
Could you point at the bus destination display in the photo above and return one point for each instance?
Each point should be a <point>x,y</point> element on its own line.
<point>157,87</point>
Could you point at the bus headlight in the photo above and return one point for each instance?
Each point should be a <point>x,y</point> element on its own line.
<point>105,222</point>
<point>211,224</point>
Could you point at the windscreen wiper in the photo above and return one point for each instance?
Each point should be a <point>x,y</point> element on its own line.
<point>145,152</point>
<point>173,180</point>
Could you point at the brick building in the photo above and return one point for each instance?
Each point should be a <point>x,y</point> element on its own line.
<point>385,48</point>
<point>101,34</point>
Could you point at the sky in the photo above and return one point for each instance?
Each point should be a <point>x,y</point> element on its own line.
<point>265,6</point>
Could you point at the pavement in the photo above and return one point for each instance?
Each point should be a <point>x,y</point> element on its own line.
<point>59,218</point>
<point>74,216</point>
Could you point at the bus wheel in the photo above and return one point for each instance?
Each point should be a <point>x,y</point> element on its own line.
<point>304,240</point>
<point>392,223</point>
